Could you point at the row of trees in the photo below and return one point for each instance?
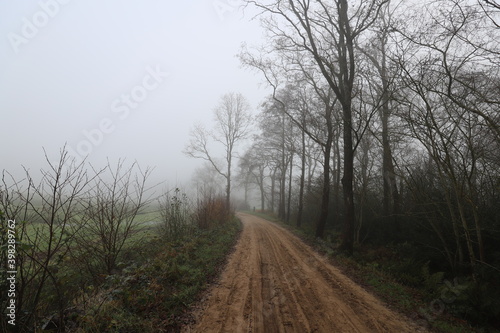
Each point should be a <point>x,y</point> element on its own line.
<point>383,122</point>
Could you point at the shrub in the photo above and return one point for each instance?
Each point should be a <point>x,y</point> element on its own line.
<point>212,211</point>
<point>176,214</point>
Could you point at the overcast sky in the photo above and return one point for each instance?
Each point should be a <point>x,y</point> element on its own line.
<point>118,78</point>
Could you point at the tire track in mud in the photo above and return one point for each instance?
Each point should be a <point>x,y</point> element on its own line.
<point>274,282</point>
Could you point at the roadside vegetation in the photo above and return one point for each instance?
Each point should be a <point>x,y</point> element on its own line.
<point>156,295</point>
<point>97,250</point>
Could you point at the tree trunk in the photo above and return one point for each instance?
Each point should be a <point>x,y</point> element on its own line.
<point>228,186</point>
<point>346,80</point>
<point>261,186</point>
<point>347,182</point>
<point>302,180</point>
<point>282,204</point>
<point>273,185</point>
<point>391,195</point>
<point>247,206</point>
<point>289,203</point>
<point>325,196</point>
<point>282,194</point>
<point>337,180</point>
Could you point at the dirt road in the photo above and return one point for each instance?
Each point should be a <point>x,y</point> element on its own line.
<point>275,283</point>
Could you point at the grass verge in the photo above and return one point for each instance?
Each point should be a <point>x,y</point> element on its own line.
<point>156,296</point>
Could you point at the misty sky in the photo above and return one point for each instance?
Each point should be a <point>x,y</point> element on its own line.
<point>119,79</point>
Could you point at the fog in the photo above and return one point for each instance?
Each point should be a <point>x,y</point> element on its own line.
<point>117,79</point>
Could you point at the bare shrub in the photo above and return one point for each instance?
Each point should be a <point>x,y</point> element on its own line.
<point>43,211</point>
<point>107,223</point>
<point>212,211</point>
<point>176,213</point>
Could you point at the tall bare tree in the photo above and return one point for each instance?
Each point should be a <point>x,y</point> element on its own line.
<point>232,125</point>
<point>380,74</point>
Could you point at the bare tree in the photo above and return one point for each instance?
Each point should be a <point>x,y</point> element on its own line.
<point>254,163</point>
<point>48,208</point>
<point>232,125</point>
<point>176,214</point>
<point>208,181</point>
<point>116,197</point>
<point>380,74</point>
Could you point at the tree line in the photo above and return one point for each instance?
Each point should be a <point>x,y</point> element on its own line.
<point>381,109</point>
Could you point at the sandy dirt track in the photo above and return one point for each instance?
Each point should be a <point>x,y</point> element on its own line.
<point>275,283</point>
